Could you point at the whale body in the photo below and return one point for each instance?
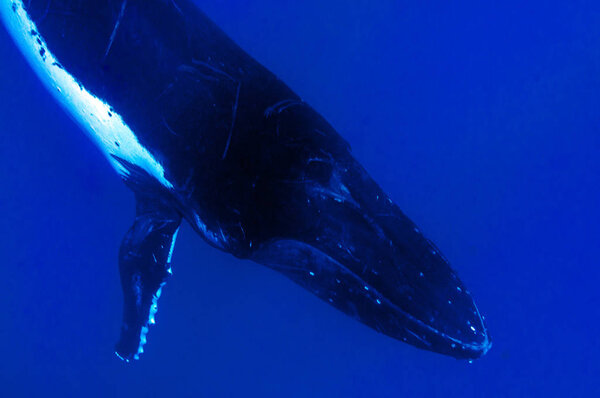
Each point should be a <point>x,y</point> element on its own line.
<point>201,131</point>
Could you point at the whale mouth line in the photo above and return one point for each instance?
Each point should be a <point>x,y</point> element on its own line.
<point>293,255</point>
<point>483,347</point>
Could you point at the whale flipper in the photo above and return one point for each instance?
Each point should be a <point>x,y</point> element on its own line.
<point>144,265</point>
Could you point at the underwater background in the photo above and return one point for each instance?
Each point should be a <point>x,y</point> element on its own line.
<point>482,121</point>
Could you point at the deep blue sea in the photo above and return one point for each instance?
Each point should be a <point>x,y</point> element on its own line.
<point>482,121</point>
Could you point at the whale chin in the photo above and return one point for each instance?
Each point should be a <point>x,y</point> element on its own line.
<point>362,255</point>
<point>416,314</point>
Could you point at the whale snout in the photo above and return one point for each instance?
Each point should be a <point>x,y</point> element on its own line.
<point>427,304</point>
<point>446,323</point>
<point>357,251</point>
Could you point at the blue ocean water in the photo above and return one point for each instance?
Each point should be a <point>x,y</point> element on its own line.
<point>481,120</point>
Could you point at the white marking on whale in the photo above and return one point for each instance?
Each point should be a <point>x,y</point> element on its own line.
<point>105,127</point>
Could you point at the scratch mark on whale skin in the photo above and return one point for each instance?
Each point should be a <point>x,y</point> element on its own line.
<point>235,107</point>
<point>115,29</point>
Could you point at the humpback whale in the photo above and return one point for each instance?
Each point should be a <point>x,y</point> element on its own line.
<point>202,132</point>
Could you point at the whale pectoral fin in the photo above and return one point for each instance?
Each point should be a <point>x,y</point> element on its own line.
<point>144,265</point>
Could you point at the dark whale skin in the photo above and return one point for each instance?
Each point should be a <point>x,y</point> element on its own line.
<point>254,169</point>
